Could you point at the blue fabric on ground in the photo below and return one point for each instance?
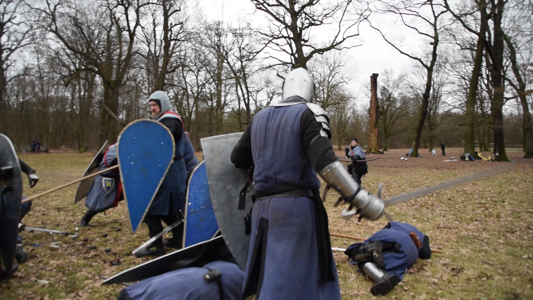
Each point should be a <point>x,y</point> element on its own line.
<point>189,284</point>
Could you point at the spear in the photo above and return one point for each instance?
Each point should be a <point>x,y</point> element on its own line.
<point>67,184</point>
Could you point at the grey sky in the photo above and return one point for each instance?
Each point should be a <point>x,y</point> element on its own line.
<point>372,57</point>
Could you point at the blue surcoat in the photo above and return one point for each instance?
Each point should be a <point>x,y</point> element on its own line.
<point>170,197</point>
<point>287,266</point>
<point>189,284</point>
<point>103,192</point>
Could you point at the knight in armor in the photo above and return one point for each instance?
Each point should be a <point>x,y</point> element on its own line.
<point>355,153</point>
<point>20,254</point>
<point>170,198</point>
<point>106,189</point>
<point>285,146</point>
<point>388,254</point>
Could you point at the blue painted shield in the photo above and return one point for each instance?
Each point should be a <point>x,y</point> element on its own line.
<point>11,196</point>
<point>108,184</point>
<point>200,221</point>
<point>145,152</point>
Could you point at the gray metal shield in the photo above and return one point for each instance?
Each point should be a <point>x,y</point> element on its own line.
<point>85,185</point>
<point>11,192</point>
<point>225,184</point>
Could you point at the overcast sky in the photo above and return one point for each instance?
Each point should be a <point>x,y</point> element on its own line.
<point>373,56</point>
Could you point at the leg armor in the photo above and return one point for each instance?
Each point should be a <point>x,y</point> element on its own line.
<point>384,283</point>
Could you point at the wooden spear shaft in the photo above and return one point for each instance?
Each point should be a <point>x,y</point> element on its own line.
<point>67,184</point>
<point>362,239</point>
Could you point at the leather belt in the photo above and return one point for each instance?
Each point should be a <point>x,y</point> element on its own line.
<point>288,194</point>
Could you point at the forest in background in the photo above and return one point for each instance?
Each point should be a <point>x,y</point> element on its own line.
<point>73,73</point>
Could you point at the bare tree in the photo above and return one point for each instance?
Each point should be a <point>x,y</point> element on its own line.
<point>292,23</point>
<point>429,14</point>
<point>492,12</point>
<point>330,79</point>
<point>241,56</point>
<point>341,116</point>
<point>161,37</point>
<point>15,34</point>
<point>102,35</point>
<point>393,104</point>
<point>215,40</point>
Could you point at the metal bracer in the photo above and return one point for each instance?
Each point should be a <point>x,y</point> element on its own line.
<point>368,206</point>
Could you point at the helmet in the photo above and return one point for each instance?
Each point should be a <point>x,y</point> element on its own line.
<point>161,98</point>
<point>298,83</point>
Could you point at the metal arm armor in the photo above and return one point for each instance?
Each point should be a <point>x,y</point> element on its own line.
<point>322,118</point>
<point>369,206</point>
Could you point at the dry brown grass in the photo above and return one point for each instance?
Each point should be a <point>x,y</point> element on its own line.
<point>484,230</point>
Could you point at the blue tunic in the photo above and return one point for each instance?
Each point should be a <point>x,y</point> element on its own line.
<point>287,266</point>
<point>189,284</point>
<point>170,197</point>
<point>402,259</point>
<point>103,191</point>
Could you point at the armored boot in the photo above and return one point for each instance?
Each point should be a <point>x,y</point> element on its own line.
<point>176,241</point>
<point>156,248</point>
<point>384,283</point>
<point>87,218</point>
<point>20,255</point>
<point>3,273</point>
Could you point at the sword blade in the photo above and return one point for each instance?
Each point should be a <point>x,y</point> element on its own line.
<point>150,241</point>
<point>445,185</point>
<point>47,230</point>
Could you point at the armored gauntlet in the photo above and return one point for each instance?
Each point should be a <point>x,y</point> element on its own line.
<point>368,206</point>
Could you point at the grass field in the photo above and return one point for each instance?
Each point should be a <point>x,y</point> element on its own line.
<point>484,230</point>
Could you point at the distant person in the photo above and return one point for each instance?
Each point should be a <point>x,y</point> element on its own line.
<point>38,146</point>
<point>33,146</point>
<point>358,168</point>
<point>443,147</point>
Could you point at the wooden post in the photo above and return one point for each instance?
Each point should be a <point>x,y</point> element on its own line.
<point>373,112</point>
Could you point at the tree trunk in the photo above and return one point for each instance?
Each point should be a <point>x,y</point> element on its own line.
<point>497,84</point>
<point>385,143</point>
<point>527,130</point>
<point>421,119</point>
<point>472,94</point>
<point>108,129</point>
<point>373,112</point>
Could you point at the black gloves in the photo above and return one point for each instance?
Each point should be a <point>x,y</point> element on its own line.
<point>356,158</point>
<point>33,178</point>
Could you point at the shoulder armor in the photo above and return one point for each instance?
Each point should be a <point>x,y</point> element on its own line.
<point>322,118</point>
